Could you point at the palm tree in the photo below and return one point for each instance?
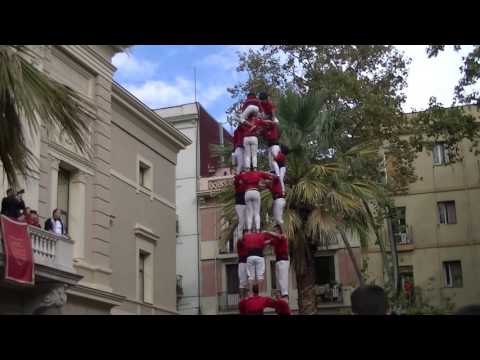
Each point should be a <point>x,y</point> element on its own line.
<point>28,100</point>
<point>326,198</point>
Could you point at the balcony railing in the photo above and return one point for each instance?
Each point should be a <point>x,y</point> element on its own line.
<point>404,236</point>
<point>228,302</point>
<point>50,250</point>
<point>329,294</point>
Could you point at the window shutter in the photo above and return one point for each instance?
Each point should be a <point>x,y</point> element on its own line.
<point>451,213</point>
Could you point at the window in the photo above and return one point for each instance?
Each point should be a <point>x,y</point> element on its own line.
<point>324,270</point>
<point>440,154</point>
<point>446,212</point>
<point>399,225</point>
<point>141,276</point>
<point>453,274</point>
<point>63,191</point>
<point>232,278</point>
<point>144,175</point>
<point>273,275</point>
<point>145,276</point>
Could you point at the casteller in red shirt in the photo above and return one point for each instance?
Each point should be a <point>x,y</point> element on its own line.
<point>251,100</point>
<point>251,179</point>
<point>280,246</point>
<point>255,305</point>
<point>240,187</point>
<point>275,188</point>
<point>242,251</point>
<point>282,307</point>
<point>255,242</point>
<point>271,134</point>
<point>267,108</point>
<point>258,127</point>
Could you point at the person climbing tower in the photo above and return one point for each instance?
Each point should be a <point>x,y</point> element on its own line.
<point>256,304</point>
<point>251,184</point>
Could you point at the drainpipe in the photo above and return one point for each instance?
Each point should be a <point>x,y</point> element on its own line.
<point>197,176</point>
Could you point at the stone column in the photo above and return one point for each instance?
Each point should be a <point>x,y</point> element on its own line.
<point>55,163</point>
<point>76,212</point>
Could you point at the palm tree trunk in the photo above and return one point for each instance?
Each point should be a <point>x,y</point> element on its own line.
<point>307,302</point>
<point>352,258</point>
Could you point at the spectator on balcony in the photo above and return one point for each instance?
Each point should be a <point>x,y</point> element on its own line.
<point>369,300</point>
<point>12,206</point>
<point>32,219</point>
<point>55,223</point>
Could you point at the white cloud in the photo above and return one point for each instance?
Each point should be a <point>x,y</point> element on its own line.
<point>431,77</point>
<point>157,93</point>
<point>132,68</point>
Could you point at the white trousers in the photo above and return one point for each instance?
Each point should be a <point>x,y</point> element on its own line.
<point>281,273</point>
<point>242,276</point>
<point>252,201</point>
<point>278,206</point>
<point>255,268</point>
<point>241,214</point>
<point>279,171</point>
<point>250,147</point>
<point>238,159</point>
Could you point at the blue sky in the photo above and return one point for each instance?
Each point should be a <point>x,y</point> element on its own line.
<point>163,75</point>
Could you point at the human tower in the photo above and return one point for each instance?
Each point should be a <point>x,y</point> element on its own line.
<point>257,119</point>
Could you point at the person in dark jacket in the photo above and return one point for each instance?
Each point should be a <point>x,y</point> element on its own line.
<point>55,223</point>
<point>11,206</point>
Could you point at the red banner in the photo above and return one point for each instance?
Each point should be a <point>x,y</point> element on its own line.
<point>17,246</point>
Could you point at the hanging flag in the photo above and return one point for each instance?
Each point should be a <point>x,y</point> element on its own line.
<point>19,265</point>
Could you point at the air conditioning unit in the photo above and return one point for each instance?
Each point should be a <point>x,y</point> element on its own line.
<point>403,238</point>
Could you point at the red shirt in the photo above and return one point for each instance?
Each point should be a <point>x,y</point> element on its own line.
<point>30,221</point>
<point>238,137</point>
<point>251,100</point>
<point>282,307</point>
<point>280,157</point>
<point>251,179</point>
<point>272,133</point>
<point>255,305</point>
<point>276,188</point>
<point>280,246</point>
<point>267,107</point>
<point>242,251</point>
<point>239,186</point>
<point>256,242</point>
<point>260,125</point>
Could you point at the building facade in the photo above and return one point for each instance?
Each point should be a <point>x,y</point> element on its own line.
<point>194,163</point>
<point>437,230</point>
<point>117,200</point>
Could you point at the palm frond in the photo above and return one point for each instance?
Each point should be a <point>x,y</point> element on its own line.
<point>29,98</point>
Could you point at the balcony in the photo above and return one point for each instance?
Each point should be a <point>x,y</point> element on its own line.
<point>53,256</point>
<point>228,302</point>
<point>404,239</point>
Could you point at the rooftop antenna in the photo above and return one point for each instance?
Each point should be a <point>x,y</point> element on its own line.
<point>195,82</point>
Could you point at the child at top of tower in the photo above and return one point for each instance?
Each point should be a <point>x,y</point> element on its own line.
<point>267,107</point>
<point>251,100</point>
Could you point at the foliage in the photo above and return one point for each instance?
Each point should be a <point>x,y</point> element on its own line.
<point>470,73</point>
<point>28,100</point>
